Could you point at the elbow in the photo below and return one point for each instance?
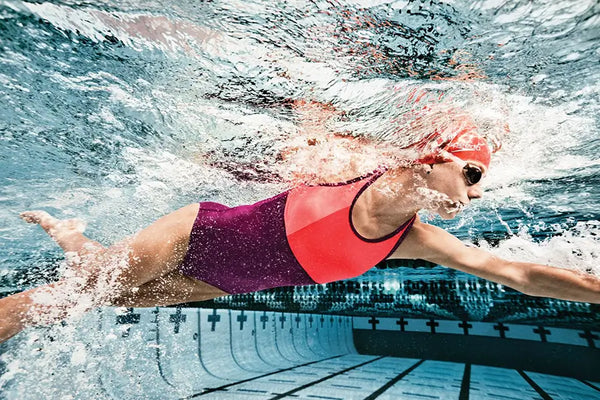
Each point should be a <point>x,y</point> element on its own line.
<point>520,279</point>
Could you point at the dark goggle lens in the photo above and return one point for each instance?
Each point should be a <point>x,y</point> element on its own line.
<point>472,174</point>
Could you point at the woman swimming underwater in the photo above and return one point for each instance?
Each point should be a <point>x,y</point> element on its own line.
<point>306,235</point>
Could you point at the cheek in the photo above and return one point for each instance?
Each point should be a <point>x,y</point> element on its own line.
<point>443,177</point>
<point>446,184</point>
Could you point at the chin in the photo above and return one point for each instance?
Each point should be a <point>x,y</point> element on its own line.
<point>447,215</point>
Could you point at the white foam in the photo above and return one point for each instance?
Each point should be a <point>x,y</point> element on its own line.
<point>575,249</point>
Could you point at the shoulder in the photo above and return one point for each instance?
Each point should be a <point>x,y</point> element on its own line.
<point>425,234</point>
<point>428,242</point>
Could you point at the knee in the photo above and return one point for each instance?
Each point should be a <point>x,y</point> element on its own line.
<point>103,276</point>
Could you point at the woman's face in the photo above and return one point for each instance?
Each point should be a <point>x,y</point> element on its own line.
<point>446,189</point>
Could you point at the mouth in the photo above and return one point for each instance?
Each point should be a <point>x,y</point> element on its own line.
<point>455,206</point>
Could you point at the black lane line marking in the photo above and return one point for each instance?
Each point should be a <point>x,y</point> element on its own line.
<point>589,384</point>
<point>465,385</point>
<point>256,347</point>
<point>282,395</point>
<point>200,352</point>
<point>535,386</point>
<point>282,319</point>
<point>235,360</point>
<point>296,333</point>
<point>314,396</point>
<point>391,383</point>
<point>501,396</point>
<point>223,387</point>
<point>422,395</point>
<point>252,390</point>
<point>346,386</point>
<point>100,382</point>
<point>158,361</point>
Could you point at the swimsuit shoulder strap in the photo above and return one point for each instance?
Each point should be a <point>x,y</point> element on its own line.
<point>306,204</point>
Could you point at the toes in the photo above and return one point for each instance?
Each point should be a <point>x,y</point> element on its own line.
<point>45,220</point>
<point>53,225</point>
<point>34,217</point>
<point>26,217</point>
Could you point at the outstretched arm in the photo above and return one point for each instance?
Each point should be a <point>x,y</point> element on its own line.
<point>433,244</point>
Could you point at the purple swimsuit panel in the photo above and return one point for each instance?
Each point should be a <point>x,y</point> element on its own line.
<point>243,249</point>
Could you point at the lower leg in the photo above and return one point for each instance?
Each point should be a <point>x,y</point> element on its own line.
<point>92,281</point>
<point>51,303</point>
<point>43,305</point>
<point>107,273</point>
<point>13,310</point>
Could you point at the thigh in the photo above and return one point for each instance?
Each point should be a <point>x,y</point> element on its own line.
<point>158,249</point>
<point>172,288</point>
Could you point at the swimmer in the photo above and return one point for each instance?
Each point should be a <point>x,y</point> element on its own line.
<point>306,235</point>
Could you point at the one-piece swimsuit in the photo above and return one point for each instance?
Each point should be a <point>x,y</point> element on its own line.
<point>302,236</point>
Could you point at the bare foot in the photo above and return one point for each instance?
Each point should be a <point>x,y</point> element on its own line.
<point>56,228</point>
<point>68,233</point>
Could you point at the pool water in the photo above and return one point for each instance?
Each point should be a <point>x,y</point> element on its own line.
<point>120,112</point>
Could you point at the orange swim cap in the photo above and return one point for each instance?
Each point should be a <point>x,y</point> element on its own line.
<point>467,144</point>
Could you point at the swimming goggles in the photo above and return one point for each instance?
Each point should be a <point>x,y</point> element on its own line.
<point>472,173</point>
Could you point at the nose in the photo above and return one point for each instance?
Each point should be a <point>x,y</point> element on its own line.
<point>474,192</point>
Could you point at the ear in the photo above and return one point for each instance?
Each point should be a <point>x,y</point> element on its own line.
<point>422,170</point>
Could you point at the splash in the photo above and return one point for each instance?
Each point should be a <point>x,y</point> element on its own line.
<point>120,113</point>
<point>575,248</point>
